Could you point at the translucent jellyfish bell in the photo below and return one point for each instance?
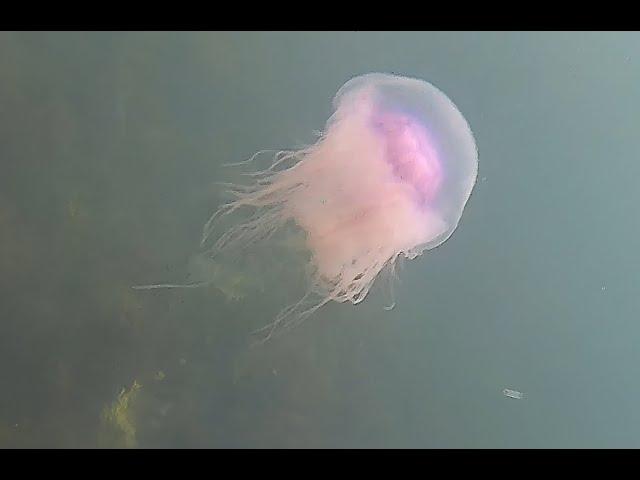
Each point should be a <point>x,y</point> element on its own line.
<point>428,142</point>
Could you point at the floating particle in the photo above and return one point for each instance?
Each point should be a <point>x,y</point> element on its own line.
<point>507,392</point>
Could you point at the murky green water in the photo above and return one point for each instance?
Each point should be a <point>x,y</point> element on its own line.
<point>109,146</point>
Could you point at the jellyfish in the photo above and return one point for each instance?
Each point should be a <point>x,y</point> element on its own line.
<point>389,177</point>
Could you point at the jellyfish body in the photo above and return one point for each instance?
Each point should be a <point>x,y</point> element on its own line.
<point>388,177</point>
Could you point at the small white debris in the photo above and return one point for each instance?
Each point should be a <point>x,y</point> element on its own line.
<point>507,392</point>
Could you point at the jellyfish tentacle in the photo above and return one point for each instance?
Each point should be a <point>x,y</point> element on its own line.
<point>390,273</point>
<point>249,160</point>
<point>263,194</point>
<point>290,317</point>
<point>171,285</point>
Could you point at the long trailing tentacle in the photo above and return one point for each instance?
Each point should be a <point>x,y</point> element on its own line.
<point>171,285</point>
<point>323,291</point>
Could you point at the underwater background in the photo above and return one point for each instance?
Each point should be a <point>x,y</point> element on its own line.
<point>520,331</point>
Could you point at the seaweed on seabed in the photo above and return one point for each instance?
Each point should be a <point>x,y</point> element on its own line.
<point>117,421</point>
